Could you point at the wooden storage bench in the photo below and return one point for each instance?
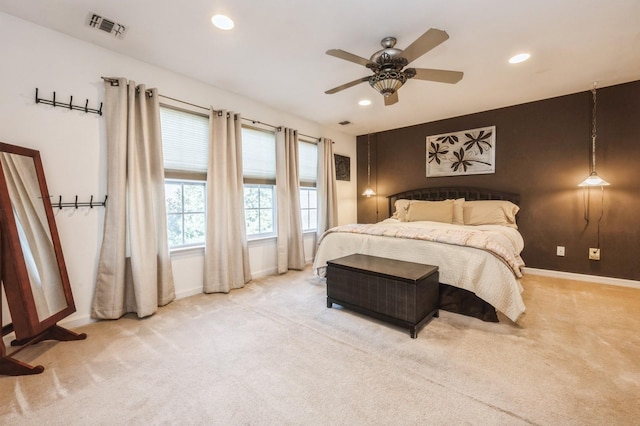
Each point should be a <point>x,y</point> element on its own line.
<point>402,293</point>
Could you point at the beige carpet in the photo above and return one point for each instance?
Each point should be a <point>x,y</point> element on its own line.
<point>272,353</point>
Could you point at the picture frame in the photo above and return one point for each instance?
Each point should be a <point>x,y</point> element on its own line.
<point>343,167</point>
<point>467,152</point>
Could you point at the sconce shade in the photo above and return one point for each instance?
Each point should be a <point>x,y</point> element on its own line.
<point>369,192</point>
<point>594,180</point>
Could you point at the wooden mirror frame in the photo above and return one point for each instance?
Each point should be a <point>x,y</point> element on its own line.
<point>29,328</point>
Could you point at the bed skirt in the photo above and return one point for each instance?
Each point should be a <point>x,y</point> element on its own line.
<point>461,301</point>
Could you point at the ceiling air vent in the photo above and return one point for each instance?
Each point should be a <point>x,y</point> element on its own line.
<point>344,123</point>
<point>107,25</point>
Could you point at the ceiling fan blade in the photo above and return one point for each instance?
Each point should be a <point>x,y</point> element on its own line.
<point>391,99</point>
<point>441,76</point>
<point>424,43</point>
<point>346,85</point>
<point>341,54</point>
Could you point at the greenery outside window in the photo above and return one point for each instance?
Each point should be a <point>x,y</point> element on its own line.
<point>186,212</point>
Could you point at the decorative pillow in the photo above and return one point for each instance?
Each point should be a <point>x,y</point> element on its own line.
<point>490,212</point>
<point>401,207</point>
<point>458,211</point>
<point>435,211</point>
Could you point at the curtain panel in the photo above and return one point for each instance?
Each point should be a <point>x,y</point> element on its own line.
<point>290,245</point>
<point>226,260</point>
<point>134,270</point>
<point>327,193</point>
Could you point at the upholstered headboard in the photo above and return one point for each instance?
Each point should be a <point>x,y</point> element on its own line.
<point>446,193</point>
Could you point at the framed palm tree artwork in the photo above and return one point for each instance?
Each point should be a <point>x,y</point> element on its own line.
<point>469,152</point>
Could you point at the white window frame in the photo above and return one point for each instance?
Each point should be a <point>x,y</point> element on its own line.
<point>262,182</point>
<point>308,186</point>
<point>184,176</point>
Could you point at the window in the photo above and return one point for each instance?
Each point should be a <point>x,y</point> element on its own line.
<point>259,172</point>
<point>308,162</point>
<point>185,145</point>
<point>258,209</point>
<point>186,217</point>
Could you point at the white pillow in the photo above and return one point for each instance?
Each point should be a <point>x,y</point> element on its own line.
<point>401,207</point>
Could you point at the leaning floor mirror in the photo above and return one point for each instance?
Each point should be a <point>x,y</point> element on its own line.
<point>32,267</point>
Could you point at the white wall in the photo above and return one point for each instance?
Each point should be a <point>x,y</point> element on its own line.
<point>73,146</point>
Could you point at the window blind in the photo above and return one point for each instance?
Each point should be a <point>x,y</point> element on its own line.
<point>308,162</point>
<point>258,156</point>
<point>185,142</point>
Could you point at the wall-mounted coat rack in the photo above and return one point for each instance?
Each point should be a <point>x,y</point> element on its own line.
<point>69,105</point>
<point>76,204</point>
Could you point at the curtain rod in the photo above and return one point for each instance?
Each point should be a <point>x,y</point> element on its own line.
<point>278,128</point>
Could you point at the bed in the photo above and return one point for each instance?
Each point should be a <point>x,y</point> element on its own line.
<point>469,233</point>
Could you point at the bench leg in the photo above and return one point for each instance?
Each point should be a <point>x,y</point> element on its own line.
<point>329,303</point>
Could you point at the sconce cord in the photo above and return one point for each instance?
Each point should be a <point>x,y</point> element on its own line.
<point>586,198</point>
<point>601,213</point>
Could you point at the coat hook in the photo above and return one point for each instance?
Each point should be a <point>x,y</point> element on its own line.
<point>91,202</point>
<point>54,99</point>
<point>71,102</point>
<point>86,106</point>
<point>37,99</point>
<point>76,203</point>
<point>100,110</point>
<point>60,202</point>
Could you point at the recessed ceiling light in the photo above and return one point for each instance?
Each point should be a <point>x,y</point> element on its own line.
<point>364,102</point>
<point>521,57</point>
<point>221,21</point>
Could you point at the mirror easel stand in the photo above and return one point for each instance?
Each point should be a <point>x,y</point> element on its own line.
<point>10,366</point>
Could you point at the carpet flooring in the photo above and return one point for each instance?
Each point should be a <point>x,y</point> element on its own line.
<point>273,353</point>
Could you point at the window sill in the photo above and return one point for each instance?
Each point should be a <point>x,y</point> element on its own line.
<point>263,239</point>
<point>186,251</point>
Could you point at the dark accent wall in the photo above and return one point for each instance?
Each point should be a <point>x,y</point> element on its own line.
<point>543,151</point>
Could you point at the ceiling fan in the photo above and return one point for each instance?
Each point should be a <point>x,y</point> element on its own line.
<point>387,65</point>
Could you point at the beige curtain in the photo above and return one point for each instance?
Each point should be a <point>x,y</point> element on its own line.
<point>134,272</point>
<point>290,245</point>
<point>327,193</point>
<point>226,260</point>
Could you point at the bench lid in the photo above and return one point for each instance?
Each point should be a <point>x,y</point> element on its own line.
<point>401,269</point>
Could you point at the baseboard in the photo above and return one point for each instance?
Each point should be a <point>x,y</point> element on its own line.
<point>76,322</point>
<point>187,293</point>
<point>583,277</point>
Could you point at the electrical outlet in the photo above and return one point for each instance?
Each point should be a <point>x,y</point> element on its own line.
<point>560,251</point>
<point>594,254</point>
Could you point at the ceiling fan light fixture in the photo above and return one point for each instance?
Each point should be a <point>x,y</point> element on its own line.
<point>364,102</point>
<point>388,82</point>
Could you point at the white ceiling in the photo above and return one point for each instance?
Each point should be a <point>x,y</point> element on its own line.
<point>276,53</point>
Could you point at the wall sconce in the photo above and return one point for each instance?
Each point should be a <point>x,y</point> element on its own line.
<point>593,179</point>
<point>369,192</point>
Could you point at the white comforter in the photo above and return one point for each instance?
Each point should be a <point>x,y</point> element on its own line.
<point>491,274</point>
